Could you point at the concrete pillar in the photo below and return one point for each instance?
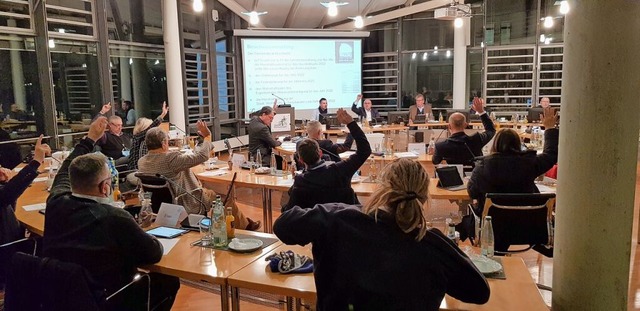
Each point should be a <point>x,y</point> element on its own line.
<point>141,92</point>
<point>460,65</point>
<point>17,75</point>
<point>598,156</point>
<point>171,34</point>
<point>125,79</point>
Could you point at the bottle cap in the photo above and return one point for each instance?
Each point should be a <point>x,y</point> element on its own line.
<point>487,217</point>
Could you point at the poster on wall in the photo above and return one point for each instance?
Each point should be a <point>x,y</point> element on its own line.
<point>281,123</point>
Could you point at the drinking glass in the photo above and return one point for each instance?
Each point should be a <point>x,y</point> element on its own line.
<point>205,233</point>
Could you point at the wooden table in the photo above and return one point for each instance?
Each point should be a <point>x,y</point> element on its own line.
<point>437,193</point>
<point>208,265</point>
<point>517,292</point>
<point>258,276</point>
<point>267,183</point>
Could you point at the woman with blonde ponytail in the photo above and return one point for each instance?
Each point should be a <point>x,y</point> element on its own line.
<point>383,257</point>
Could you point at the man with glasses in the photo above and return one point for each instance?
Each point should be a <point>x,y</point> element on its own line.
<point>419,108</point>
<point>260,137</point>
<point>83,228</point>
<point>115,143</point>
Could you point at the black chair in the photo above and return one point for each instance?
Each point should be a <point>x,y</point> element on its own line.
<point>8,249</point>
<point>48,284</point>
<point>521,219</point>
<point>162,191</point>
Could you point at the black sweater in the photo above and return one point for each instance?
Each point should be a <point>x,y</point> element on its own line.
<point>374,265</point>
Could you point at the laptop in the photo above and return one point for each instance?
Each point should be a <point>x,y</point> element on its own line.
<point>450,178</point>
<point>420,118</point>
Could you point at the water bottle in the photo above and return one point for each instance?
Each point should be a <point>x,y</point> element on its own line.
<point>486,237</point>
<point>432,147</point>
<point>146,213</point>
<point>53,171</point>
<point>218,224</point>
<point>273,164</point>
<point>258,158</point>
<point>451,229</point>
<point>440,118</point>
<point>293,168</point>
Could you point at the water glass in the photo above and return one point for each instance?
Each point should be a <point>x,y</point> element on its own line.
<point>205,233</point>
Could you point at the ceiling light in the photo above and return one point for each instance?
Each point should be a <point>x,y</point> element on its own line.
<point>424,56</point>
<point>332,7</point>
<point>458,22</point>
<point>254,18</point>
<point>564,7</point>
<point>547,40</point>
<point>481,44</point>
<point>157,62</point>
<point>448,53</point>
<point>130,61</point>
<point>52,44</point>
<point>61,30</point>
<point>542,37</point>
<point>548,22</point>
<point>358,22</point>
<point>198,6</point>
<point>435,50</point>
<point>413,56</point>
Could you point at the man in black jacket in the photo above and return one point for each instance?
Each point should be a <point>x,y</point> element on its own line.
<point>83,228</point>
<point>322,183</point>
<point>365,112</point>
<point>461,148</point>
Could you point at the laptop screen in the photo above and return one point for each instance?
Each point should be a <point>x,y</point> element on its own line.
<point>449,176</point>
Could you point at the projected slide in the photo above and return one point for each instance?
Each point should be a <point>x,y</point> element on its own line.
<point>301,71</point>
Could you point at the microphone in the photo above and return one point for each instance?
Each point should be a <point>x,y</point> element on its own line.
<point>280,98</point>
<point>329,152</point>
<point>174,184</point>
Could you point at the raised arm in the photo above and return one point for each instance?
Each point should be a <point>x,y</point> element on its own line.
<point>489,129</point>
<point>549,156</point>
<point>353,163</point>
<point>355,108</point>
<point>14,188</point>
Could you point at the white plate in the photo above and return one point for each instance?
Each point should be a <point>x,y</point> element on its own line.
<point>486,265</point>
<point>245,245</point>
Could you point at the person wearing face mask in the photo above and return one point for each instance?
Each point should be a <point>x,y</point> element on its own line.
<point>83,228</point>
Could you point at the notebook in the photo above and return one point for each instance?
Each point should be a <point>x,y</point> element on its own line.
<point>450,178</point>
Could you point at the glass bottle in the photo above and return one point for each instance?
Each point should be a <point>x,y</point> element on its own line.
<point>432,146</point>
<point>146,213</point>
<point>117,195</point>
<point>273,164</point>
<point>486,237</point>
<point>231,230</point>
<point>218,224</point>
<point>258,158</point>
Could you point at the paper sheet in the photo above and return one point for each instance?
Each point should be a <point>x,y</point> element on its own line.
<point>546,189</point>
<point>40,179</point>
<point>168,244</point>
<point>35,207</point>
<point>219,172</point>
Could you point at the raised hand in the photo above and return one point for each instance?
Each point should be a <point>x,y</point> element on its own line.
<point>203,130</point>
<point>359,97</point>
<point>165,110</point>
<point>41,150</point>
<point>478,104</point>
<point>105,108</point>
<point>343,117</point>
<point>549,117</point>
<point>97,128</point>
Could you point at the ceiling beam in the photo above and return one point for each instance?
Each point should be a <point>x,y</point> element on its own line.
<point>236,8</point>
<point>416,8</point>
<point>368,8</point>
<point>292,14</point>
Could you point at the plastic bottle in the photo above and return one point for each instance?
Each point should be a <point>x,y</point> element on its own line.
<point>273,164</point>
<point>258,158</point>
<point>432,146</point>
<point>486,237</point>
<point>218,224</point>
<point>451,229</point>
<point>231,230</point>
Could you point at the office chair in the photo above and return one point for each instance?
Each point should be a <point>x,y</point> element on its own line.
<point>40,284</point>
<point>162,191</point>
<point>521,218</point>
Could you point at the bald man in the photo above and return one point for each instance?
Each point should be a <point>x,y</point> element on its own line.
<point>461,148</point>
<point>365,112</point>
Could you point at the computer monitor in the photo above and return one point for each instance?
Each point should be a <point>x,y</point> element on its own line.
<point>534,114</point>
<point>420,119</point>
<point>395,117</point>
<point>331,120</point>
<point>452,111</point>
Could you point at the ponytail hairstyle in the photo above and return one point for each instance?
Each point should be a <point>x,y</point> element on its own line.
<point>403,192</point>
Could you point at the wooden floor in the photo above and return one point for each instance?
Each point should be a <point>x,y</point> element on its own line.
<point>540,267</point>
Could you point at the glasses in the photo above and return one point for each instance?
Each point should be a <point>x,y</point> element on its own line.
<point>114,124</point>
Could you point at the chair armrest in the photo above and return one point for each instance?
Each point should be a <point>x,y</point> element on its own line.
<point>20,241</point>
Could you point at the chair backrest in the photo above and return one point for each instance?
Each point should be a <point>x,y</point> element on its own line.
<point>520,218</point>
<point>161,190</point>
<point>48,284</point>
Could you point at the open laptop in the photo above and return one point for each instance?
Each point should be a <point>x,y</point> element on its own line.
<point>420,119</point>
<point>450,178</point>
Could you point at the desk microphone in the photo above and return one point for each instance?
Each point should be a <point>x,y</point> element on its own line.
<point>174,184</point>
<point>280,98</point>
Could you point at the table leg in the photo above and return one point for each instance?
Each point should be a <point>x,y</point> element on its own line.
<point>298,304</point>
<point>270,210</point>
<point>235,298</point>
<point>266,207</point>
<point>224,297</point>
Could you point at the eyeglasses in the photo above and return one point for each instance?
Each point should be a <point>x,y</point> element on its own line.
<point>114,124</point>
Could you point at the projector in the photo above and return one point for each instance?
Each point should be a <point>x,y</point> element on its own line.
<point>449,13</point>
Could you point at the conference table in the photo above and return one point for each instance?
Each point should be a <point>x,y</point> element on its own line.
<point>517,292</point>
